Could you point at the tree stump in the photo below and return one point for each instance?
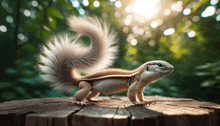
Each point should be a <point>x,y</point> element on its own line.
<point>118,111</point>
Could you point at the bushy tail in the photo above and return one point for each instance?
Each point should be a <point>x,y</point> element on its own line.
<point>63,57</point>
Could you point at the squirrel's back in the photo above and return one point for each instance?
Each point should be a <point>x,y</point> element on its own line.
<point>63,58</point>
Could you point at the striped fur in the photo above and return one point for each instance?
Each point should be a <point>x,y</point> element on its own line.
<point>64,58</point>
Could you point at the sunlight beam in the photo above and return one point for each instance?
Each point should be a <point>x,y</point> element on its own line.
<point>146,8</point>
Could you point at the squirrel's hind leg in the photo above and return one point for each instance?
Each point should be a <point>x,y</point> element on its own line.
<point>94,94</point>
<point>84,90</point>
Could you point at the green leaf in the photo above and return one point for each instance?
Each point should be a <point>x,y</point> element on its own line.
<point>53,23</point>
<point>63,2</point>
<point>31,81</point>
<point>29,47</point>
<point>208,83</point>
<point>46,34</point>
<point>52,12</point>
<point>26,64</point>
<point>31,27</point>
<point>11,71</point>
<point>203,73</point>
<point>5,85</point>
<point>29,72</point>
<point>43,34</point>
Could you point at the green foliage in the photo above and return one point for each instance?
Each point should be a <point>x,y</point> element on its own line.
<point>211,71</point>
<point>19,67</point>
<point>52,12</point>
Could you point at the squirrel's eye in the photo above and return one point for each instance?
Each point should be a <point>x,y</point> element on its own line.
<point>147,68</point>
<point>159,65</point>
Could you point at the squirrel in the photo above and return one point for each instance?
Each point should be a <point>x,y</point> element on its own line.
<point>63,58</point>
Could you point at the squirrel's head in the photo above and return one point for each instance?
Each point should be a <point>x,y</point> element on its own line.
<point>154,70</point>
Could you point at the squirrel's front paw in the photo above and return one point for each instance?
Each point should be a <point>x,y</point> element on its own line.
<point>80,103</point>
<point>147,102</point>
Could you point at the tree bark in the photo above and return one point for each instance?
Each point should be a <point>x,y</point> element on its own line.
<point>117,111</point>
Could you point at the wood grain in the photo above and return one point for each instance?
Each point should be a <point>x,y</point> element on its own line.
<point>118,111</point>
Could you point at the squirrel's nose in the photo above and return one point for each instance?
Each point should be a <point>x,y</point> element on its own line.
<point>172,68</point>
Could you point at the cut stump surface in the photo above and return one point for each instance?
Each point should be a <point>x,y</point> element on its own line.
<point>118,111</point>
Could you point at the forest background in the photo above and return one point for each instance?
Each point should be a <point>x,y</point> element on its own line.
<point>185,33</point>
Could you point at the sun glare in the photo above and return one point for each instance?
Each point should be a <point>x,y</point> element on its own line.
<point>146,8</point>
